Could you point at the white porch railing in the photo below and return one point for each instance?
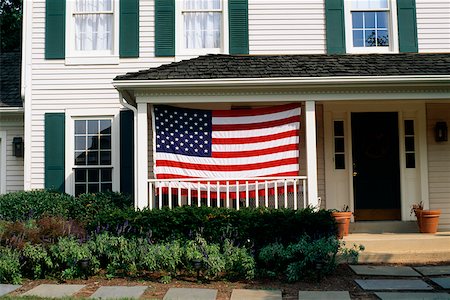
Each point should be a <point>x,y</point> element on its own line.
<point>275,192</point>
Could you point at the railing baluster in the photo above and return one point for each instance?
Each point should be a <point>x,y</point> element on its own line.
<point>160,195</point>
<point>208,196</point>
<point>256,193</point>
<point>199,197</point>
<point>247,195</point>
<point>179,194</point>
<point>228,194</point>
<point>170,194</point>
<point>266,194</point>
<point>237,194</point>
<point>150,195</point>
<point>218,193</point>
<point>275,190</point>
<point>285,194</point>
<point>305,190</point>
<point>295,195</point>
<point>189,194</point>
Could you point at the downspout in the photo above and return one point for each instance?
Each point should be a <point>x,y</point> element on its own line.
<point>134,110</point>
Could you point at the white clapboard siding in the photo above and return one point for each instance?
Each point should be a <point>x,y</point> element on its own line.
<point>286,27</point>
<point>13,125</point>
<point>433,25</point>
<point>439,164</point>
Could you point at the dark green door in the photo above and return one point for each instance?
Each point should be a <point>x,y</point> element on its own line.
<point>376,166</point>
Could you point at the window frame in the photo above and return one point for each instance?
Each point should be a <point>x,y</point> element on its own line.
<point>392,30</point>
<point>181,50</point>
<point>76,57</point>
<point>91,114</point>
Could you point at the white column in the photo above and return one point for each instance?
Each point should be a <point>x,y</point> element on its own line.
<point>142,157</point>
<point>311,152</point>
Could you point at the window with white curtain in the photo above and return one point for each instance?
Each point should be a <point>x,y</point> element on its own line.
<point>93,25</point>
<point>201,23</point>
<point>370,26</point>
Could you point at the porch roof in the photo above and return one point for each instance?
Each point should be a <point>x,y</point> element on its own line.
<point>306,66</point>
<point>10,79</point>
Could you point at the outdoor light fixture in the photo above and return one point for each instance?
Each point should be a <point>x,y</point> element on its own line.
<point>441,132</point>
<point>18,147</point>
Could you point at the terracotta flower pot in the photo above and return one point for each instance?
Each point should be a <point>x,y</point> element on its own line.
<point>429,220</point>
<point>418,213</point>
<point>343,221</point>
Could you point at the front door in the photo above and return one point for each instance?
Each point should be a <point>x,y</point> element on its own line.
<point>376,166</point>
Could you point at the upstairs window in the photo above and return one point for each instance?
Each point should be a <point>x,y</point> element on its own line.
<point>369,26</point>
<point>201,23</point>
<point>93,25</point>
<point>93,31</point>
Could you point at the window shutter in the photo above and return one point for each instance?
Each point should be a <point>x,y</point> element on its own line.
<point>334,15</point>
<point>55,151</point>
<point>238,26</point>
<point>55,28</point>
<point>129,28</point>
<point>127,152</point>
<point>164,27</point>
<point>407,26</point>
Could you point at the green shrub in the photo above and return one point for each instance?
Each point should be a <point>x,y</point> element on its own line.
<point>37,263</point>
<point>20,206</point>
<point>238,262</point>
<point>246,227</point>
<point>66,254</point>
<point>10,266</point>
<point>305,258</point>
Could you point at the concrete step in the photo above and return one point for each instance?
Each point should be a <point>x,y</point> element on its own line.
<point>402,247</point>
<point>384,227</point>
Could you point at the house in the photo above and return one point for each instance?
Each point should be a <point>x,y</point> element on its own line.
<point>372,78</point>
<point>11,123</point>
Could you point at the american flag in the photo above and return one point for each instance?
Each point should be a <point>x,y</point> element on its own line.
<point>226,144</point>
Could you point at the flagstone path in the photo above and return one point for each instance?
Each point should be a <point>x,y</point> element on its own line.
<point>384,282</point>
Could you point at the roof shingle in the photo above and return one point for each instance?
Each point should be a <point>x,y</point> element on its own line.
<point>10,70</point>
<point>265,66</point>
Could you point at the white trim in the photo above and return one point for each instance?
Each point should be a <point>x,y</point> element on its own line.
<point>71,115</point>
<point>350,80</point>
<point>73,57</point>
<point>2,162</point>
<point>142,156</point>
<point>311,153</point>
<point>181,52</point>
<point>393,30</point>
<point>11,109</point>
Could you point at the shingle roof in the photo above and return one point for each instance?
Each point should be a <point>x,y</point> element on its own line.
<point>228,66</point>
<point>10,79</point>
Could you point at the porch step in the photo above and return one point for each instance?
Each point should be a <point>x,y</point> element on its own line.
<point>402,247</point>
<point>384,227</point>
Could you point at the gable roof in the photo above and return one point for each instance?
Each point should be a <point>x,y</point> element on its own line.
<point>277,66</point>
<point>10,69</point>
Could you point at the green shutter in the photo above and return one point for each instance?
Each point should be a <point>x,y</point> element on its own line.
<point>55,28</point>
<point>334,15</point>
<point>164,27</point>
<point>54,151</point>
<point>238,26</point>
<point>129,28</point>
<point>127,152</point>
<point>407,26</point>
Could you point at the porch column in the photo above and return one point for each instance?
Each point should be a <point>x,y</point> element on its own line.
<point>311,152</point>
<point>142,157</point>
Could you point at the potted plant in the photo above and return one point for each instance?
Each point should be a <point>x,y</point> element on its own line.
<point>342,220</point>
<point>427,219</point>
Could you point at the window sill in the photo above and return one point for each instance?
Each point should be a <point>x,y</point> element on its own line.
<point>92,60</point>
<point>370,50</point>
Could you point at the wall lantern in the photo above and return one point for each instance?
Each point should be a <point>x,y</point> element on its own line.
<point>17,147</point>
<point>441,132</point>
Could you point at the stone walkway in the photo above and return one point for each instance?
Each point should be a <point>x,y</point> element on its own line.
<point>384,282</point>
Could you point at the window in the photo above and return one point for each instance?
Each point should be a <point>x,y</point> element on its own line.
<point>92,30</point>
<point>339,145</point>
<point>370,26</point>
<point>92,155</point>
<point>410,150</point>
<point>201,23</point>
